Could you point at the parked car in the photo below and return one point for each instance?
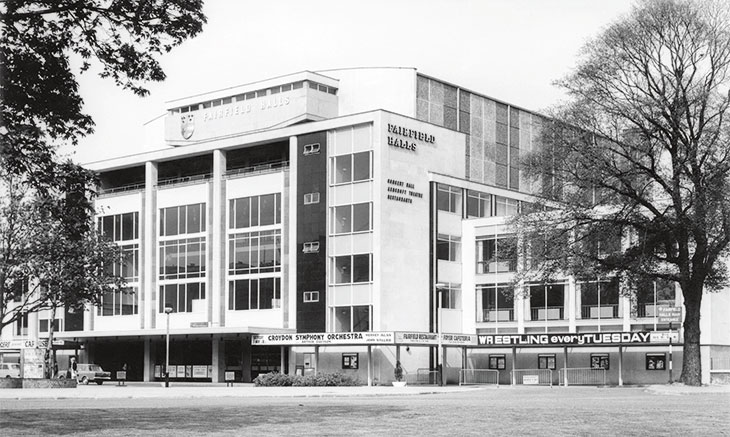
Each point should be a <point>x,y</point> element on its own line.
<point>90,373</point>
<point>9,370</point>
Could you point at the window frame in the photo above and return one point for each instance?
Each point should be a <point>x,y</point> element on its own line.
<point>500,362</point>
<point>599,359</point>
<point>653,359</point>
<point>311,198</point>
<point>352,180</point>
<point>310,296</point>
<point>545,359</point>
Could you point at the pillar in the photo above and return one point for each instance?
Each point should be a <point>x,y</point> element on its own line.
<point>370,366</point>
<point>620,366</point>
<point>148,366</point>
<point>218,360</point>
<point>572,304</point>
<point>316,360</point>
<point>514,364</point>
<point>217,218</point>
<point>148,253</point>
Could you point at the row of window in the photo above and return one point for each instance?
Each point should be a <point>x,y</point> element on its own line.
<point>123,302</point>
<point>654,361</point>
<point>184,258</point>
<point>255,211</point>
<point>254,252</point>
<point>254,294</point>
<point>120,227</point>
<point>255,95</point>
<point>478,204</point>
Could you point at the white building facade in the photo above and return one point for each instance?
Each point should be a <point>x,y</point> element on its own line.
<point>368,200</point>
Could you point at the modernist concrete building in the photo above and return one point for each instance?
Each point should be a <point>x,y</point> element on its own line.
<point>285,214</point>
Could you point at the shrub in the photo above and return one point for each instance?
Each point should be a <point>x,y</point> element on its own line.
<point>276,379</point>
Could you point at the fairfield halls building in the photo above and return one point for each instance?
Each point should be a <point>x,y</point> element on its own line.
<point>345,220</point>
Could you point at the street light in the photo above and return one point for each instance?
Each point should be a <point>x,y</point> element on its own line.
<point>440,287</point>
<point>168,310</point>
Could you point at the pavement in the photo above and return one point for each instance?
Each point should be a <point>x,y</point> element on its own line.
<point>134,390</point>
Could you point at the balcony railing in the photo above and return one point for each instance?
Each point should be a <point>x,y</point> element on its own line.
<point>547,313</point>
<point>498,315</point>
<point>122,189</point>
<point>599,312</point>
<point>184,179</point>
<point>266,167</point>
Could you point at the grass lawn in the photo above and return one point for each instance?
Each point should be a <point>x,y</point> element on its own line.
<point>502,411</point>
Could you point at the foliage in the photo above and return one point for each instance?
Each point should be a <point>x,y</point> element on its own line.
<point>276,379</point>
<point>635,168</point>
<point>41,106</point>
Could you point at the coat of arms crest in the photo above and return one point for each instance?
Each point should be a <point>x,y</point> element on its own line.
<point>187,125</point>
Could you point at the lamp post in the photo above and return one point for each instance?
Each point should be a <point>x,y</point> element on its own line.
<point>168,310</point>
<point>439,321</point>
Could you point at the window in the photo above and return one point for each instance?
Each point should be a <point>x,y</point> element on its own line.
<point>311,247</point>
<point>497,254</point>
<point>311,149</point>
<point>254,294</point>
<point>311,198</point>
<point>181,297</point>
<point>43,325</point>
<point>183,258</point>
<point>505,207</point>
<point>656,361</point>
<point>127,266</point>
<point>254,252</point>
<point>448,248</point>
<point>121,302</point>
<point>350,360</point>
<point>188,219</point>
<point>547,301</point>
<point>351,168</point>
<point>255,211</point>
<point>311,296</point>
<point>451,296</point>
<point>351,269</point>
<point>599,361</point>
<point>599,299</point>
<point>21,325</point>
<point>351,218</point>
<point>120,227</point>
<point>497,303</point>
<point>546,361</point>
<point>448,199</point>
<point>478,204</point>
<point>497,362</point>
<point>650,294</point>
<point>352,319</point>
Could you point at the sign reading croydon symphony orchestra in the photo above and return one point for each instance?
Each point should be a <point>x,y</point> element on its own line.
<point>323,338</point>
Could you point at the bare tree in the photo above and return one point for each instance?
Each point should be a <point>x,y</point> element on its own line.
<point>637,161</point>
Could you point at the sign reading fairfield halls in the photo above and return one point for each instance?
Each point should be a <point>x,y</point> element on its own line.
<point>599,338</point>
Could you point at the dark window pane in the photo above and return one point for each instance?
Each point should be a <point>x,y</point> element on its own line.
<point>361,166</point>
<point>171,221</point>
<point>128,226</point>
<point>268,212</point>
<point>342,218</point>
<point>277,207</point>
<point>266,293</point>
<point>243,212</point>
<point>360,318</point>
<point>343,267</point>
<point>343,169</point>
<point>193,218</point>
<point>108,226</point>
<point>360,268</point>
<point>361,217</point>
<point>266,252</point>
<point>254,294</point>
<point>255,211</point>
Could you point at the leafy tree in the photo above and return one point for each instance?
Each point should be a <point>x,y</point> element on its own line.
<point>635,167</point>
<point>51,258</point>
<point>41,106</point>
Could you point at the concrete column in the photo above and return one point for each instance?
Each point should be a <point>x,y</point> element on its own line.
<point>514,364</point>
<point>148,366</point>
<point>626,304</point>
<point>148,253</point>
<point>217,218</point>
<point>571,304</point>
<point>520,308</point>
<point>620,365</point>
<point>289,238</point>
<point>246,359</point>
<point>218,360</point>
<point>316,360</point>
<point>370,366</point>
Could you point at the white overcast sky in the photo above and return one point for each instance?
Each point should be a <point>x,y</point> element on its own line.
<point>512,50</point>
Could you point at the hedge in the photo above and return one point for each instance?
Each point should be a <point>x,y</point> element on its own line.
<point>276,379</point>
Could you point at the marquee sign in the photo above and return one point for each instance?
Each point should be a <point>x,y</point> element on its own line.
<point>323,338</point>
<point>599,339</point>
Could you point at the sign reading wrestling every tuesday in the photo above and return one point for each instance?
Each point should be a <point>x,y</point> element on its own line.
<point>600,338</point>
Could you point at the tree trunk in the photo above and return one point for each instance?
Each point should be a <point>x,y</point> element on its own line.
<point>50,353</point>
<point>691,360</point>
